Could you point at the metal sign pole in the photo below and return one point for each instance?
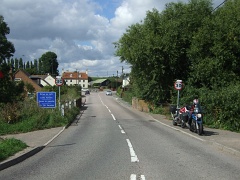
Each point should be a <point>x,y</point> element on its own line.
<point>178,99</point>
<point>59,103</point>
<point>178,87</point>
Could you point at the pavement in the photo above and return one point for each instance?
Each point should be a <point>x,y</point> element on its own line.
<point>225,141</point>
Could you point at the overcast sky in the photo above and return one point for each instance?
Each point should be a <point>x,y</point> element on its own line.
<point>80,32</point>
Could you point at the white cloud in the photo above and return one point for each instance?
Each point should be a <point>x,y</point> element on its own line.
<point>80,32</point>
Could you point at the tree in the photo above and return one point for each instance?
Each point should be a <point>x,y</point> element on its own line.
<point>7,48</point>
<point>158,48</point>
<point>10,91</point>
<point>48,63</point>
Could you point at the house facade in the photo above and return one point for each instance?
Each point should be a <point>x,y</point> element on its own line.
<point>46,80</point>
<point>76,78</point>
<point>21,75</point>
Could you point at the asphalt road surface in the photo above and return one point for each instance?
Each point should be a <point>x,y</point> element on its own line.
<point>111,141</point>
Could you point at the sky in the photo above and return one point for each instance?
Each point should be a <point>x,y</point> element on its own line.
<point>80,32</point>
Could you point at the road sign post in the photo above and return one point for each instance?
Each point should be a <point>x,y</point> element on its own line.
<point>59,82</point>
<point>178,86</point>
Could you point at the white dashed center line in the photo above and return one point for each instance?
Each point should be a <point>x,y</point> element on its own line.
<point>134,157</point>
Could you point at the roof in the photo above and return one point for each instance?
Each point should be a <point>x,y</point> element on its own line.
<point>38,76</point>
<point>74,75</point>
<point>99,81</point>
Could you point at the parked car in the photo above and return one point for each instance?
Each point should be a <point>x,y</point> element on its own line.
<point>108,92</point>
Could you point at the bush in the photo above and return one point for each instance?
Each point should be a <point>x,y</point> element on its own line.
<point>220,105</point>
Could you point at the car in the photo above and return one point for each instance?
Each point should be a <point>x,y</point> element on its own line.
<point>87,92</point>
<point>108,92</point>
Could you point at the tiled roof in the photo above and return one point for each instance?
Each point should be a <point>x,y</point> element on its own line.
<point>38,76</point>
<point>74,75</point>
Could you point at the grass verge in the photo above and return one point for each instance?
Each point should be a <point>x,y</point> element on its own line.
<point>9,147</point>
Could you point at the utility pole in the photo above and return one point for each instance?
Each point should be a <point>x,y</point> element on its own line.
<point>117,81</point>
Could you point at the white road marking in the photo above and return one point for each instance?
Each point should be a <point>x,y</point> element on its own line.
<point>134,157</point>
<point>134,177</point>
<point>113,117</point>
<point>122,131</point>
<point>54,136</point>
<point>181,131</point>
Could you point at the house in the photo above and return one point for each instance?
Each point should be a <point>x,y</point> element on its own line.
<point>46,80</point>
<point>76,78</point>
<point>100,83</point>
<point>125,81</point>
<point>21,75</point>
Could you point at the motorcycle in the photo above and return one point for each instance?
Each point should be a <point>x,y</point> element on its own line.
<point>179,115</point>
<point>197,121</point>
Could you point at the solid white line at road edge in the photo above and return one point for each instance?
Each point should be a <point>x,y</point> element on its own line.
<point>179,130</point>
<point>54,137</point>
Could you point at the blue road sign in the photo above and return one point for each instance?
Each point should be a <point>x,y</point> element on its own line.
<point>46,99</point>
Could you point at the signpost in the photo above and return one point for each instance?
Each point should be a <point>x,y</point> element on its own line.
<point>178,86</point>
<point>46,99</point>
<point>59,82</point>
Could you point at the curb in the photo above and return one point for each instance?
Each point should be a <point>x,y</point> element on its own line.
<point>20,158</point>
<point>225,148</point>
<point>26,155</point>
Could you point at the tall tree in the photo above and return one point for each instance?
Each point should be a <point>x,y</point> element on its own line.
<point>20,63</point>
<point>16,63</point>
<point>158,48</point>
<point>7,48</point>
<point>10,91</point>
<point>48,63</point>
<point>35,66</point>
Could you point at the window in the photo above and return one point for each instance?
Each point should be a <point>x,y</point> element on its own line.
<point>71,76</point>
<point>70,80</point>
<point>17,79</point>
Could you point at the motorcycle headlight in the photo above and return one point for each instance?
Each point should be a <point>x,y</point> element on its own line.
<point>199,115</point>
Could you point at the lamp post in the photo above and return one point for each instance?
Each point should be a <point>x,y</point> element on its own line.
<point>52,67</point>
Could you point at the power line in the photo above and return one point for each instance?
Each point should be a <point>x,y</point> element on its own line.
<point>219,5</point>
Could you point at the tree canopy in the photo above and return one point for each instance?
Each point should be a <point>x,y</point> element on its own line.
<point>48,63</point>
<point>6,47</point>
<point>188,41</point>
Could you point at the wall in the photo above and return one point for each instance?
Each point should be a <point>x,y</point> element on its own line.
<point>140,105</point>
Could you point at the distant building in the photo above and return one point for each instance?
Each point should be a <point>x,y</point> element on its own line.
<point>21,75</point>
<point>126,81</point>
<point>100,83</point>
<point>45,80</point>
<point>76,78</point>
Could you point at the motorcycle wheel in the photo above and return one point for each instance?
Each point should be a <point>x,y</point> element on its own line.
<point>200,130</point>
<point>174,122</point>
<point>183,124</point>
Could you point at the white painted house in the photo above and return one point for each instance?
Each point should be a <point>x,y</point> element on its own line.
<point>45,80</point>
<point>76,78</point>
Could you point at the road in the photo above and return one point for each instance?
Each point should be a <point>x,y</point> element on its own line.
<point>111,141</point>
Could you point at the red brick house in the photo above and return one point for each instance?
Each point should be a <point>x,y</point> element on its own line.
<point>21,75</point>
